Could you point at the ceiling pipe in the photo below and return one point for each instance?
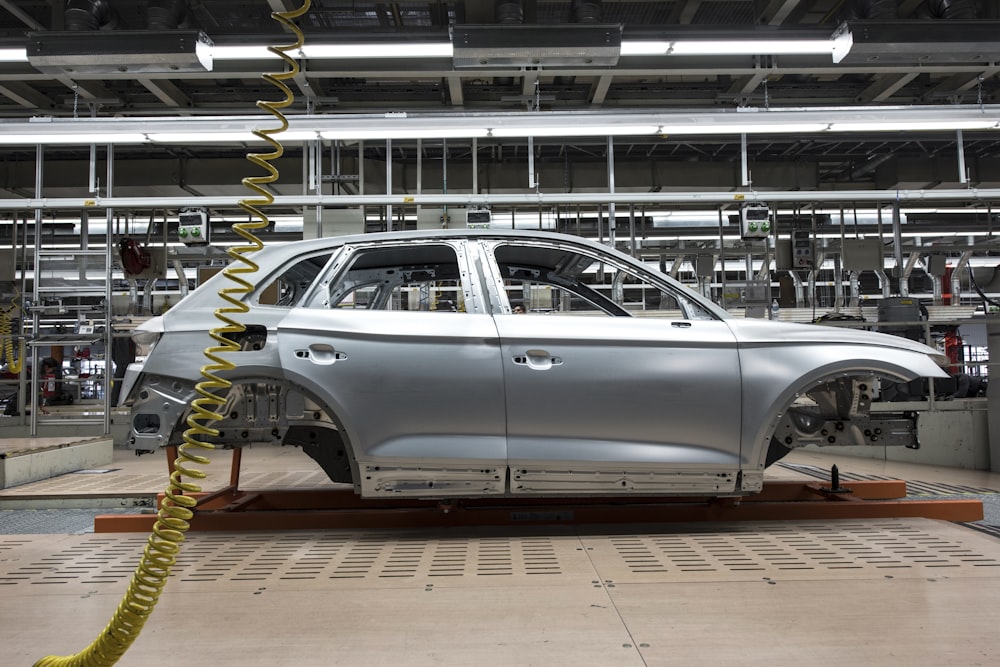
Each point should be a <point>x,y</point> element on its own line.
<point>167,15</point>
<point>870,9</point>
<point>83,15</point>
<point>509,12</point>
<point>964,196</point>
<point>948,9</point>
<point>871,165</point>
<point>586,11</point>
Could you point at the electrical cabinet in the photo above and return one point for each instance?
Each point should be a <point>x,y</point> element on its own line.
<point>478,218</point>
<point>192,228</point>
<point>803,249</point>
<point>755,221</point>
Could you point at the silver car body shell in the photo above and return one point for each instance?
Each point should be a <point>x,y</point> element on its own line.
<point>488,403</point>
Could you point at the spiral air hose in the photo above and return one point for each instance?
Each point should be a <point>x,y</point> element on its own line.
<point>14,364</point>
<point>176,510</point>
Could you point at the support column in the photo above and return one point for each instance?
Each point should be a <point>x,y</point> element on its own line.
<point>993,397</point>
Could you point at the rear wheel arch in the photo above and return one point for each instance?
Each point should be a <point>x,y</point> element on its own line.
<point>300,418</point>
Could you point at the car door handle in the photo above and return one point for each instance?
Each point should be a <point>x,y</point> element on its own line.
<point>321,353</point>
<point>538,360</point>
<point>681,325</point>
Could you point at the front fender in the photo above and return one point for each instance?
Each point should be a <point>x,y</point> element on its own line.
<point>772,381</point>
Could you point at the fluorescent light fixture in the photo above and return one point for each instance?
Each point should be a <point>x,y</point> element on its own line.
<point>353,127</point>
<point>890,125</point>
<point>404,133</point>
<point>338,51</point>
<point>742,128</point>
<point>383,50</point>
<point>726,47</point>
<point>13,55</point>
<point>915,42</point>
<point>240,52</point>
<point>573,130</point>
<point>225,137</point>
<point>136,51</point>
<point>82,139</point>
<point>843,41</point>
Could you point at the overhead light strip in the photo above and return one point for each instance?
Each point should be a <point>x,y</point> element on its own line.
<point>440,49</point>
<point>680,47</point>
<point>726,47</point>
<point>13,55</point>
<point>221,130</point>
<point>361,51</point>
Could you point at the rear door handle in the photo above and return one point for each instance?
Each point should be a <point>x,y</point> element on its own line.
<point>681,325</point>
<point>321,354</point>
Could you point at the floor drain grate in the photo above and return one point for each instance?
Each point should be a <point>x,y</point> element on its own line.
<point>298,556</point>
<point>799,547</point>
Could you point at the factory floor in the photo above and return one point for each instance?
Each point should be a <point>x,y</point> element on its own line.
<point>879,592</point>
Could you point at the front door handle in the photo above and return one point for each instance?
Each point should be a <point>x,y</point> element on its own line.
<point>681,325</point>
<point>538,360</point>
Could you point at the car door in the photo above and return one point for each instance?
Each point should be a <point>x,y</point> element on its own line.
<point>410,367</point>
<point>599,403</point>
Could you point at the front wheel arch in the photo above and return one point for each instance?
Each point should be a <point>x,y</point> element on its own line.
<point>836,411</point>
<point>776,451</point>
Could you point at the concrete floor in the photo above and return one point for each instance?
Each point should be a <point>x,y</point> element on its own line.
<point>866,592</point>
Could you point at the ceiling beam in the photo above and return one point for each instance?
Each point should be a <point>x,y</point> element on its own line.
<point>747,84</point>
<point>88,91</point>
<point>528,198</point>
<point>599,91</point>
<point>688,11</point>
<point>26,96</point>
<point>283,5</point>
<point>529,83</point>
<point>884,87</point>
<point>21,15</point>
<point>166,92</point>
<point>455,90</point>
<point>777,11</point>
<point>307,86</point>
<point>954,86</point>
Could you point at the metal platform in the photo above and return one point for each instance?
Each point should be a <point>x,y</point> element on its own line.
<point>231,508</point>
<point>297,510</point>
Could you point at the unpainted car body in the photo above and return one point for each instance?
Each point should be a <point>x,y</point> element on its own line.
<point>397,362</point>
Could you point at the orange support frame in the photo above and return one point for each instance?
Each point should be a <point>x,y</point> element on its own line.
<point>236,510</point>
<point>230,508</point>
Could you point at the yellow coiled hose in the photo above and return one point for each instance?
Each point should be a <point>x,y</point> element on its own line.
<point>14,363</point>
<point>175,512</point>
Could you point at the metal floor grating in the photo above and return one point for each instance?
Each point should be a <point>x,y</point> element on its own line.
<point>723,552</point>
<point>913,487</point>
<point>802,546</point>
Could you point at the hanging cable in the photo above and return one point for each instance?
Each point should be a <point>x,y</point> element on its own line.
<point>177,508</point>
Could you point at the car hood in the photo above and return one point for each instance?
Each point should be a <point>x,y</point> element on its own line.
<point>748,331</point>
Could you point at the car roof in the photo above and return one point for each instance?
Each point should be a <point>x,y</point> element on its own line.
<point>281,251</point>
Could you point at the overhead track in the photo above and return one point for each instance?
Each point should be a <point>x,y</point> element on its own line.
<point>526,198</point>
